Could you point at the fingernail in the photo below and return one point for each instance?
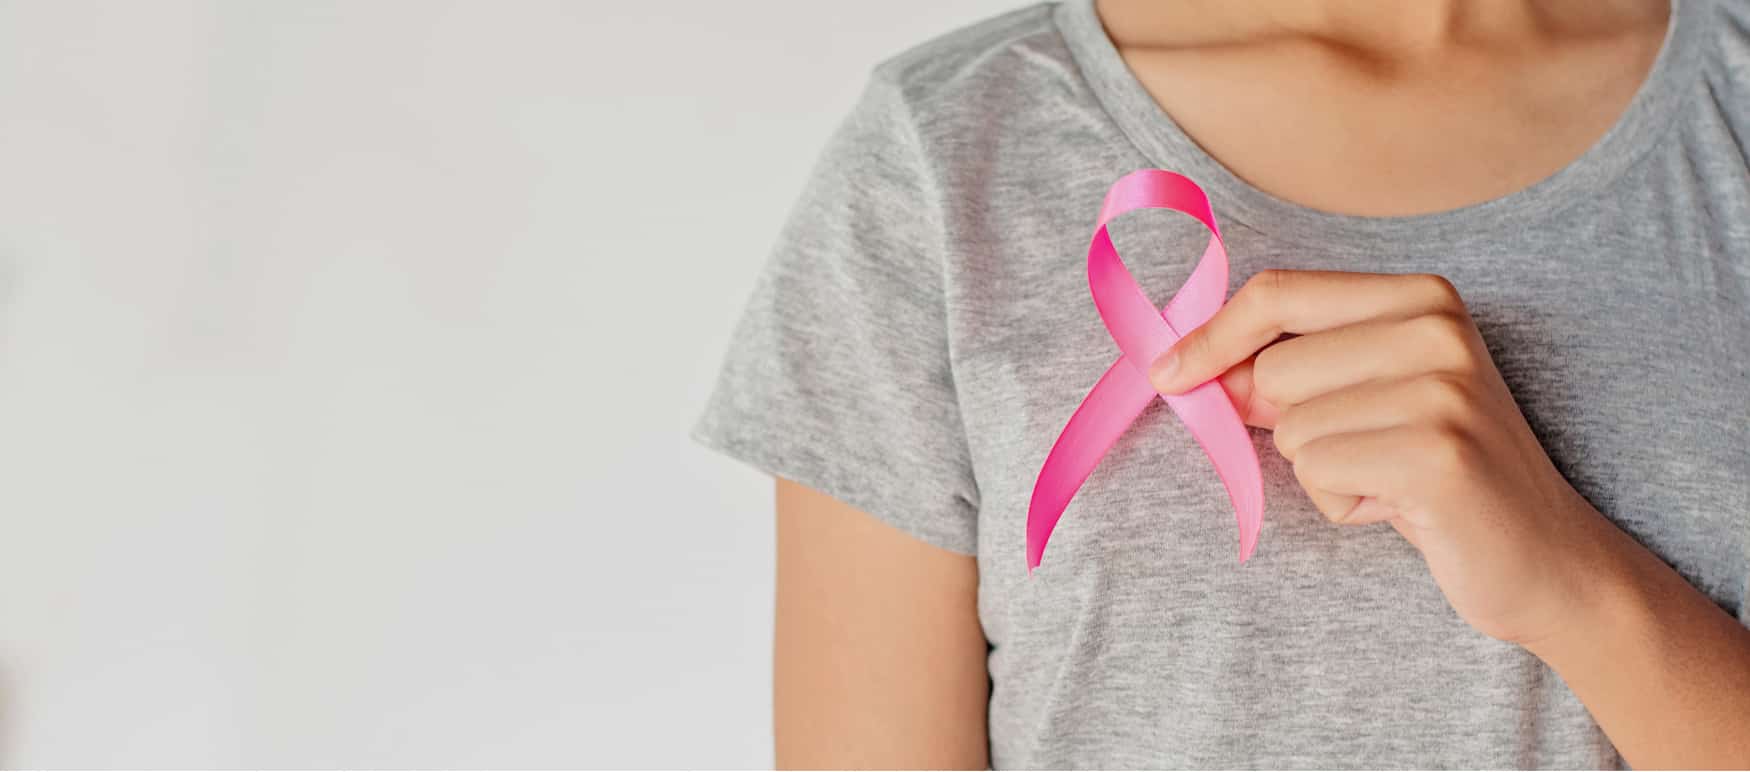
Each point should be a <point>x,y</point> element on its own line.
<point>1161,373</point>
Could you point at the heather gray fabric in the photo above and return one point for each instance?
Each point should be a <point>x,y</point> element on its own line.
<point>923,330</point>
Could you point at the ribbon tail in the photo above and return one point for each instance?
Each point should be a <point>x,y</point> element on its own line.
<point>1108,410</point>
<point>1217,427</point>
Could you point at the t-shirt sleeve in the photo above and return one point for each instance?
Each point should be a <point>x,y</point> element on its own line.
<point>837,375</point>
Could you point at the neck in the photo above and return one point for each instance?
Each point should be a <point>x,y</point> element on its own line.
<point>1375,29</point>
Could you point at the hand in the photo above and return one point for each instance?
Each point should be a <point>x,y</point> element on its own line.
<point>1387,404</point>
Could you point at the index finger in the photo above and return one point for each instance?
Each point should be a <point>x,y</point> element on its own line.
<point>1276,302</point>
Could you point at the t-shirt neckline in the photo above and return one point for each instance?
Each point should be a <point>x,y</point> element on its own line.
<point>1164,143</point>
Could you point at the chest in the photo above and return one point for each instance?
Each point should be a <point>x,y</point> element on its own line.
<point>1625,349</point>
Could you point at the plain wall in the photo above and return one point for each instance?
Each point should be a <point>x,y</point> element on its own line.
<point>347,351</point>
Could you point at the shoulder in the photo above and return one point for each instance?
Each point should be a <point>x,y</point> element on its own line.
<point>1726,24</point>
<point>979,68</point>
<point>1723,36</point>
<point>1732,16</point>
<point>950,57</point>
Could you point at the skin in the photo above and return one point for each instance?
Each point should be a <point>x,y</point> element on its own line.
<point>879,656</point>
<point>1380,108</point>
<point>1378,389</point>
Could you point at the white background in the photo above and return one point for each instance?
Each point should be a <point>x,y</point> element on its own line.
<point>347,351</point>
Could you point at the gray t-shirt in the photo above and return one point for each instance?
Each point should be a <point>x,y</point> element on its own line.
<point>923,329</point>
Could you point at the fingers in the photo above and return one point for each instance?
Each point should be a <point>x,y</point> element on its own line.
<point>1395,466</point>
<point>1368,401</point>
<point>1431,399</point>
<point>1239,385</point>
<point>1274,303</point>
<point>1334,506</point>
<point>1294,371</point>
<point>1300,369</point>
<point>1364,451</point>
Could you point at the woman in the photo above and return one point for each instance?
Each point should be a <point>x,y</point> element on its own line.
<point>1492,332</point>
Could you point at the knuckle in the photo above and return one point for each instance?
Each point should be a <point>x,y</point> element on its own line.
<point>1287,434</point>
<point>1268,280</point>
<point>1446,338</point>
<point>1261,291</point>
<point>1447,450</point>
<point>1442,290</point>
<point>1445,395</point>
<point>1267,370</point>
<point>1308,464</point>
<point>1437,329</point>
<point>1195,348</point>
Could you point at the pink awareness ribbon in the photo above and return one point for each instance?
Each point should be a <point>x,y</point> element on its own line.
<point>1143,334</point>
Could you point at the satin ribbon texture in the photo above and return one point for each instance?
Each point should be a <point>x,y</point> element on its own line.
<point>1142,334</point>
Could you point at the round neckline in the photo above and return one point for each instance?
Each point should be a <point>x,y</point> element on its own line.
<point>1164,143</point>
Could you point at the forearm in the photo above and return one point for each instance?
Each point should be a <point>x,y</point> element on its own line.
<point>1663,670</point>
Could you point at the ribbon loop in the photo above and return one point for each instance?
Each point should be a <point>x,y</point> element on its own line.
<point>1143,334</point>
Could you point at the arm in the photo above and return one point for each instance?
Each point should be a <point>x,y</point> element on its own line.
<point>1663,670</point>
<point>879,655</point>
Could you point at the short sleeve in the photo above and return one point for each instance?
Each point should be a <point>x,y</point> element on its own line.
<point>837,374</point>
